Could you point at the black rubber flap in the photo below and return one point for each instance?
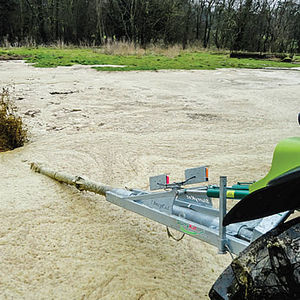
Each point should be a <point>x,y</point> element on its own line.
<point>281,194</point>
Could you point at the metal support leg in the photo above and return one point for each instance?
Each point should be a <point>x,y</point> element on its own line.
<point>222,213</point>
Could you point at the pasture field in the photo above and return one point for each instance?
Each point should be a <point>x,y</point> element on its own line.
<point>139,60</point>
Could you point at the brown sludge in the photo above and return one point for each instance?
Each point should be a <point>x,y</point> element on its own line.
<point>119,129</point>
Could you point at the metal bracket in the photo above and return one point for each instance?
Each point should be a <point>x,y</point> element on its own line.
<point>158,182</point>
<point>196,175</point>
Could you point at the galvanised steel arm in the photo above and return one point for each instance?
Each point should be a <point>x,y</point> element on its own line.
<point>138,204</point>
<point>163,207</point>
<point>187,210</point>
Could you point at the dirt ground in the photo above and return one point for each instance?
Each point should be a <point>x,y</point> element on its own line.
<point>120,128</point>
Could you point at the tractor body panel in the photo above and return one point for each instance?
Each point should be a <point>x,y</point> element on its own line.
<point>286,157</point>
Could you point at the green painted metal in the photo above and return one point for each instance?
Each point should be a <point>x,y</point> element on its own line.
<point>286,157</point>
<point>241,187</point>
<point>230,193</point>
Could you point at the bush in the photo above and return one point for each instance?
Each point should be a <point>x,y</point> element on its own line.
<point>13,133</point>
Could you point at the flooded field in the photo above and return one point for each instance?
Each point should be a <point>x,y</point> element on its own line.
<point>119,128</point>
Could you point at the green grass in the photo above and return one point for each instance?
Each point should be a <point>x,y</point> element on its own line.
<point>53,57</point>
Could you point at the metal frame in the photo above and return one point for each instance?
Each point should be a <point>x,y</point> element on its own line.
<point>181,224</point>
<point>188,210</point>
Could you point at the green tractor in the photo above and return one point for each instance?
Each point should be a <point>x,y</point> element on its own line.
<point>269,268</point>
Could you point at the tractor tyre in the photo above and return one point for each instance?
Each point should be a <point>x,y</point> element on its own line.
<point>269,268</point>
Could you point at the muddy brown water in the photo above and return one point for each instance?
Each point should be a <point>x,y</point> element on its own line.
<point>120,128</point>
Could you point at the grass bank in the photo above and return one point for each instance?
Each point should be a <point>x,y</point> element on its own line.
<point>180,60</point>
<point>13,132</point>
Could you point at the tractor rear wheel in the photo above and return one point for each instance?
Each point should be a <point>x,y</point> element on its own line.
<point>269,268</point>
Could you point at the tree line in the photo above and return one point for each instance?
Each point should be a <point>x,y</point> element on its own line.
<point>246,25</point>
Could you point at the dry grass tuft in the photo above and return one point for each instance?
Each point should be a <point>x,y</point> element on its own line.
<point>13,133</point>
<point>170,51</point>
<point>121,48</point>
<point>124,48</point>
